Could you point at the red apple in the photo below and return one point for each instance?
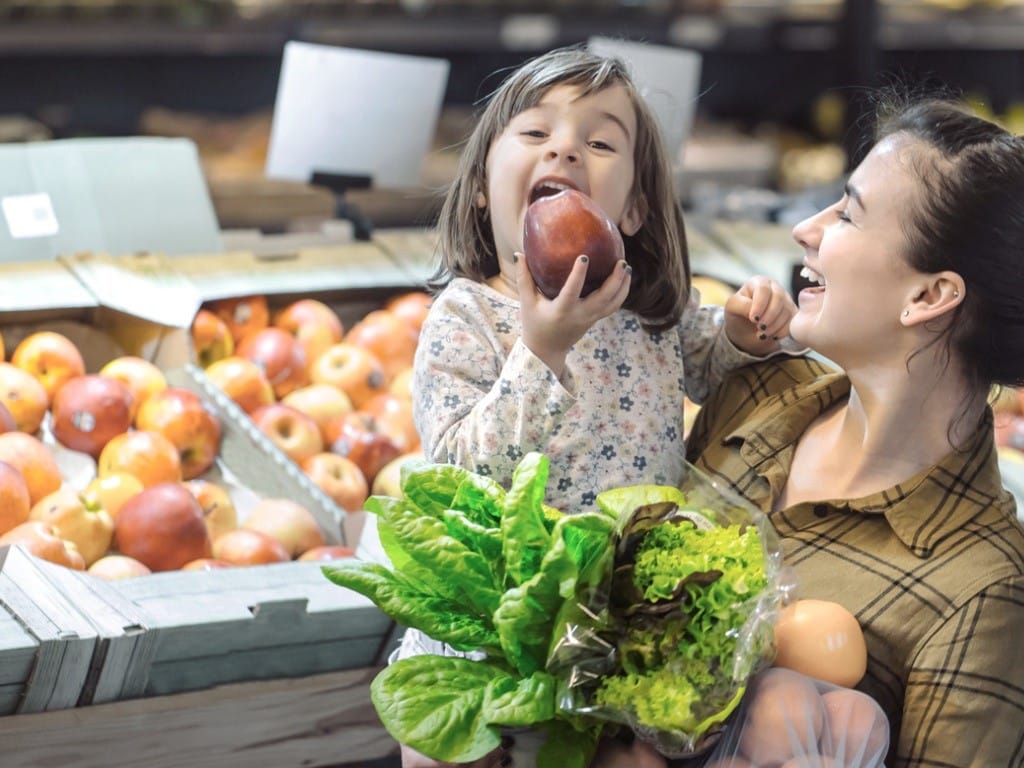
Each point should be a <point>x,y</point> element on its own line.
<point>352,369</point>
<point>111,491</point>
<point>394,416</point>
<point>14,500</point>
<point>287,521</point>
<point>319,401</point>
<point>88,411</point>
<point>388,337</point>
<point>206,564</point>
<point>162,527</point>
<point>23,396</point>
<point>279,355</point>
<point>401,385</point>
<point>241,380</point>
<point>85,525</point>
<point>180,415</point>
<point>117,567</point>
<point>314,325</point>
<point>558,229</point>
<point>388,481</point>
<point>7,422</point>
<point>245,547</point>
<point>142,377</point>
<point>242,315</point>
<point>218,509</point>
<point>211,338</point>
<point>327,552</point>
<point>412,307</point>
<point>44,542</point>
<point>51,357</point>
<point>37,465</point>
<point>290,430</point>
<point>339,478</point>
<point>360,437</point>
<point>149,456</point>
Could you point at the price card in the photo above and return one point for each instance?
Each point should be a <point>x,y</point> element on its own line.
<point>30,215</point>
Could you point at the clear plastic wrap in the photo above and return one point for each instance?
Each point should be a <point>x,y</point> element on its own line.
<point>668,646</point>
<point>789,720</point>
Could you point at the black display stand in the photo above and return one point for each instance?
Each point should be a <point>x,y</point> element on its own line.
<point>339,184</point>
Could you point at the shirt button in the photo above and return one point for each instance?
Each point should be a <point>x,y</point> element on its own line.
<point>820,510</point>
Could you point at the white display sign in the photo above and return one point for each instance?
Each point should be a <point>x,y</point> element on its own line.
<point>668,78</point>
<point>30,215</point>
<point>354,113</point>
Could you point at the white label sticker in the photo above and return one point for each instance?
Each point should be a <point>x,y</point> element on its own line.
<point>30,215</point>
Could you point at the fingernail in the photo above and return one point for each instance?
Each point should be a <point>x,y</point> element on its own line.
<point>764,327</point>
<point>762,336</point>
<point>584,259</point>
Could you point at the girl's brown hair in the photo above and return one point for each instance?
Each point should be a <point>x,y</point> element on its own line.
<point>657,253</point>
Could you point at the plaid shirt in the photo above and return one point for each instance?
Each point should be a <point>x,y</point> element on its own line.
<point>933,568</point>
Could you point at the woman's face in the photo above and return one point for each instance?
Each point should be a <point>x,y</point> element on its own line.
<point>855,251</point>
<point>567,140</point>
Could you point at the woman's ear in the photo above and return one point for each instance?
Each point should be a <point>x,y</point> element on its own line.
<point>633,218</point>
<point>935,296</point>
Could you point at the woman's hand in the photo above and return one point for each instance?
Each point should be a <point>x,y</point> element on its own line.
<point>757,316</point>
<point>612,753</point>
<point>552,326</point>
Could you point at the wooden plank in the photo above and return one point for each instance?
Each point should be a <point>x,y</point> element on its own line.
<point>17,650</point>
<point>10,695</point>
<point>311,722</point>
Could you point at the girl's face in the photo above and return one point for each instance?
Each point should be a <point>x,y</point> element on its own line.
<point>855,251</point>
<point>586,143</point>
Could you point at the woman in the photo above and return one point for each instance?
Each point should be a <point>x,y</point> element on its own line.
<point>882,480</point>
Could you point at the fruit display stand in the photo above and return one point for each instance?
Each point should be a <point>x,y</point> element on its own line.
<point>266,665</point>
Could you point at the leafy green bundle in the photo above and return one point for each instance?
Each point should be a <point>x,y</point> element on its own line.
<point>483,569</point>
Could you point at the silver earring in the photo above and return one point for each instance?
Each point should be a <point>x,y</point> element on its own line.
<point>956,294</point>
<point>906,313</point>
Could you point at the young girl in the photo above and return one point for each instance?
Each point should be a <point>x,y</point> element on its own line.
<point>595,383</point>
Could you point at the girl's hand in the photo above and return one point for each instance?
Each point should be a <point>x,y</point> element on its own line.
<point>612,753</point>
<point>757,316</point>
<point>552,326</point>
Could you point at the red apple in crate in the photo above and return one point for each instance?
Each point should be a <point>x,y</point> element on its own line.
<point>290,430</point>
<point>14,503</point>
<point>180,415</point>
<point>89,527</point>
<point>37,465</point>
<point>23,396</point>
<point>117,567</point>
<point>211,338</point>
<point>319,401</point>
<point>89,410</point>
<point>388,337</point>
<point>245,547</point>
<point>339,478</point>
<point>243,381</point>
<point>7,422</point>
<point>149,456</point>
<point>281,357</point>
<point>401,385</point>
<point>394,417</point>
<point>327,552</point>
<point>242,315</point>
<point>412,307</point>
<point>352,369</point>
<point>359,437</point>
<point>111,491</point>
<point>162,527</point>
<point>51,357</point>
<point>218,509</point>
<point>44,542</point>
<point>558,229</point>
<point>388,481</point>
<point>314,325</point>
<point>142,377</point>
<point>287,521</point>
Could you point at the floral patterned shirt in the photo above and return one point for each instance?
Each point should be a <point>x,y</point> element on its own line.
<point>482,400</point>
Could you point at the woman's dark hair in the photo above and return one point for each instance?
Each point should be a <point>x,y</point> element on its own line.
<point>970,220</point>
<point>657,253</point>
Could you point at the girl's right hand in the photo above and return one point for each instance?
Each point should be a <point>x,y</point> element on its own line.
<point>552,326</point>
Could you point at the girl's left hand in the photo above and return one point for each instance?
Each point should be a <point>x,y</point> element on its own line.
<point>757,316</point>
